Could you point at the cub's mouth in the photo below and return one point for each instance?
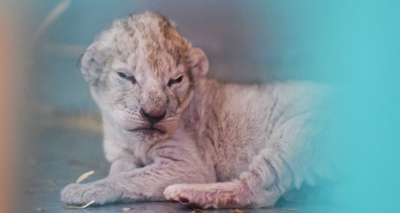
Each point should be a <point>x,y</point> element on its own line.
<point>148,130</point>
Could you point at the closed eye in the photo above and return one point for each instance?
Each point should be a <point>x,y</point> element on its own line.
<point>122,75</point>
<point>175,81</point>
<point>126,77</point>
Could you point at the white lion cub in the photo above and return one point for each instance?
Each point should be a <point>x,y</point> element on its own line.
<point>172,134</point>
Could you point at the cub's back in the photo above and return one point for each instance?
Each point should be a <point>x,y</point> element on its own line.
<point>251,118</point>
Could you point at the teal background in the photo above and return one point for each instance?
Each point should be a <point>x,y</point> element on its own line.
<point>366,58</point>
<point>352,45</point>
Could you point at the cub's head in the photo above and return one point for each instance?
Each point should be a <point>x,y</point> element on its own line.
<point>142,73</point>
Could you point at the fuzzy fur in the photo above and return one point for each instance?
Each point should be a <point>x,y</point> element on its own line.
<point>218,146</point>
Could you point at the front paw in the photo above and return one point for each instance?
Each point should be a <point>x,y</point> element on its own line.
<point>187,195</point>
<point>233,194</point>
<point>80,194</point>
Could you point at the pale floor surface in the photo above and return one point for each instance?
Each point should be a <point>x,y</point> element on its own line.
<point>60,157</point>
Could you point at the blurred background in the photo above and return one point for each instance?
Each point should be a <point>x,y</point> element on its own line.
<point>48,117</point>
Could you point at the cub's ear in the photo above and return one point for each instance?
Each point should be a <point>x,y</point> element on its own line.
<point>92,64</point>
<point>198,62</point>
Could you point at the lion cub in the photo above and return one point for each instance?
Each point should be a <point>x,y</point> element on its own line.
<point>172,134</point>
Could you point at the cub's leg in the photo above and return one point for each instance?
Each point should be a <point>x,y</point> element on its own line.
<point>235,194</point>
<point>145,183</point>
<point>261,186</point>
<point>286,162</point>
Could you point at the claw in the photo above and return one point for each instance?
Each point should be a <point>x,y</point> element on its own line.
<point>183,199</point>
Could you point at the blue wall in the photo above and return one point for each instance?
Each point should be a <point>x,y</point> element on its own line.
<point>366,58</point>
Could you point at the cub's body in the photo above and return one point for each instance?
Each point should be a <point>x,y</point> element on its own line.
<point>171,133</point>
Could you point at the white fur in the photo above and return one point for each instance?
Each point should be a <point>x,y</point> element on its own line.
<point>224,146</point>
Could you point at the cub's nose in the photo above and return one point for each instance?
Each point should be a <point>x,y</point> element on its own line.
<point>153,116</point>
